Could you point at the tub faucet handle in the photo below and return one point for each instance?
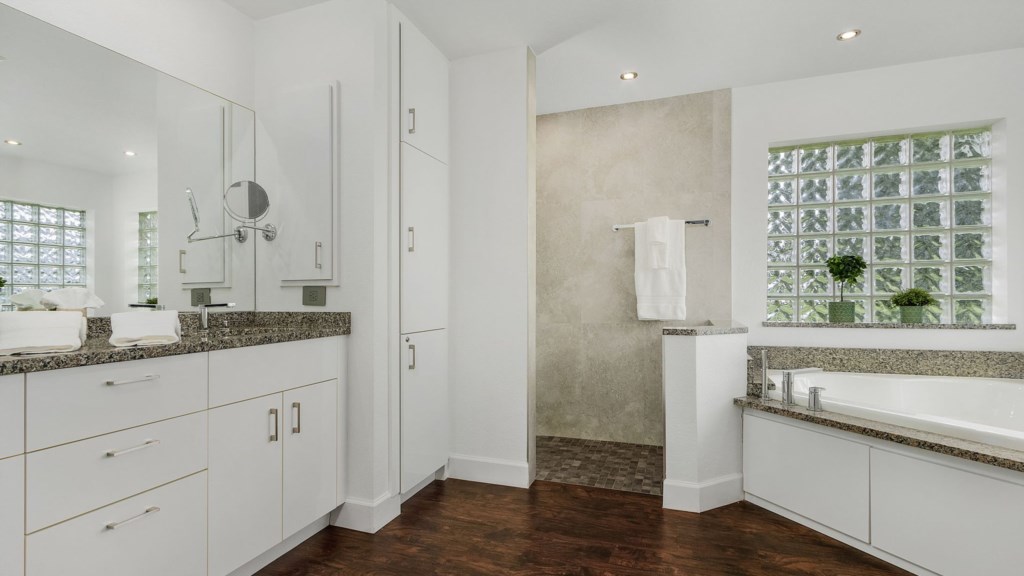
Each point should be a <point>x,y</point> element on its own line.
<point>814,398</point>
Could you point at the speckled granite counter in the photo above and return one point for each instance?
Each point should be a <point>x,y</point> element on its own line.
<point>703,330</point>
<point>228,330</point>
<point>966,449</point>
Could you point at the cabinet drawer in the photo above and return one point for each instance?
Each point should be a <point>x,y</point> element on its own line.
<point>69,480</point>
<point>75,403</point>
<point>12,415</point>
<point>243,373</point>
<point>168,540</point>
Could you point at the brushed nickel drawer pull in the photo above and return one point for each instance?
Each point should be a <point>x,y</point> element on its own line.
<point>412,120</point>
<point>316,255</point>
<point>297,429</point>
<point>412,239</point>
<point>181,262</point>
<point>146,378</point>
<point>412,356</point>
<point>273,436</point>
<point>116,525</point>
<point>123,451</point>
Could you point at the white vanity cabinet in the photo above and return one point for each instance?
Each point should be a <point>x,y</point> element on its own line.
<point>424,257</point>
<point>424,98</point>
<point>12,415</point>
<point>424,406</point>
<point>12,516</point>
<point>273,458</point>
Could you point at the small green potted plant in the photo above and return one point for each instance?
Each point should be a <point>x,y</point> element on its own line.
<point>912,302</point>
<point>844,269</point>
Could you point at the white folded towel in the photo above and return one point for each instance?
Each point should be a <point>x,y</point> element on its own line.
<point>30,299</point>
<point>657,241</point>
<point>71,299</point>
<point>661,291</point>
<point>145,328</point>
<point>41,332</point>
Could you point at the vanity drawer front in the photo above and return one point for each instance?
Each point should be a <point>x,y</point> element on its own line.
<point>69,480</point>
<point>12,415</point>
<point>243,373</point>
<point>168,540</point>
<point>75,403</point>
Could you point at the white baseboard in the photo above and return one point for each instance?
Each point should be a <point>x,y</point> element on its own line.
<point>512,473</point>
<point>848,540</point>
<point>366,515</point>
<point>703,496</point>
<point>256,564</point>
<point>419,486</point>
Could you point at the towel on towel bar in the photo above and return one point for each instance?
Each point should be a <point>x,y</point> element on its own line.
<point>145,328</point>
<point>661,291</point>
<point>41,332</point>
<point>658,230</point>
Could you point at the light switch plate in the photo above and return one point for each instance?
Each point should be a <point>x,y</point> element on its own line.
<point>201,296</point>
<point>314,295</point>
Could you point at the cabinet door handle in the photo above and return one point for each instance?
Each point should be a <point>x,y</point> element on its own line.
<point>123,451</point>
<point>125,522</point>
<point>181,261</point>
<point>316,255</point>
<point>412,356</point>
<point>412,120</point>
<point>146,378</point>
<point>273,435</point>
<point>412,239</point>
<point>297,429</point>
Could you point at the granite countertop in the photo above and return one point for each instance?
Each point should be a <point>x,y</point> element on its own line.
<point>709,330</point>
<point>228,330</point>
<point>948,445</point>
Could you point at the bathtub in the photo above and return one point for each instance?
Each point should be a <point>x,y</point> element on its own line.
<point>989,410</point>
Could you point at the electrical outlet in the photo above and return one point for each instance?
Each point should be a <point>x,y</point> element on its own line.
<point>314,295</point>
<point>201,296</point>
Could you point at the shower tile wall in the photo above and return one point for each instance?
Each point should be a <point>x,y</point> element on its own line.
<point>599,368</point>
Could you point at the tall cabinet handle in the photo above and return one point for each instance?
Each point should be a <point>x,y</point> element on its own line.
<point>316,255</point>
<point>412,356</point>
<point>297,406</point>
<point>412,120</point>
<point>273,435</point>
<point>181,261</point>
<point>412,239</point>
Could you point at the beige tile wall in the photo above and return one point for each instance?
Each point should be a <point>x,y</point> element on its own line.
<point>598,367</point>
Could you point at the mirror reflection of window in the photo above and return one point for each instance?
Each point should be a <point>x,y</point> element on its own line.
<point>148,243</point>
<point>40,247</point>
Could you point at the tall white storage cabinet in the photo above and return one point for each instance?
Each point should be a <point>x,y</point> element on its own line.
<point>423,155</point>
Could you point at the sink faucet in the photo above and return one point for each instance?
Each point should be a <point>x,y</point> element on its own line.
<point>787,383</point>
<point>204,314</point>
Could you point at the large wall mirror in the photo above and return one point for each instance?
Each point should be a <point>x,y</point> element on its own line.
<point>97,153</point>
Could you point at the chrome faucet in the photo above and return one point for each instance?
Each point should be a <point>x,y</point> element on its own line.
<point>204,314</point>
<point>787,383</point>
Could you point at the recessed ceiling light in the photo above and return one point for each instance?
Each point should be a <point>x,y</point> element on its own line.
<point>628,76</point>
<point>12,142</point>
<point>848,35</point>
<point>129,153</point>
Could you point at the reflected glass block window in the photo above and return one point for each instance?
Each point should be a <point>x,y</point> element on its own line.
<point>917,208</point>
<point>148,240</point>
<point>40,247</point>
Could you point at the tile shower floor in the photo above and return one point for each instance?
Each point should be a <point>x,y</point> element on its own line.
<point>616,465</point>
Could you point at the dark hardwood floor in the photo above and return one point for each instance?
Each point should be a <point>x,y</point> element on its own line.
<point>458,527</point>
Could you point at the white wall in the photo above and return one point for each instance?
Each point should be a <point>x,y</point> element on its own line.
<point>940,93</point>
<point>490,259</point>
<point>346,41</point>
<point>205,42</point>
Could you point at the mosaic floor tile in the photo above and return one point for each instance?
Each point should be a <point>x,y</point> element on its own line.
<point>616,465</point>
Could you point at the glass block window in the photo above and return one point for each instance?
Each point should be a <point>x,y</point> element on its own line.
<point>148,240</point>
<point>40,247</point>
<point>918,208</point>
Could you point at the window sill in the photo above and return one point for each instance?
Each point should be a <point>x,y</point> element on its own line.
<point>890,326</point>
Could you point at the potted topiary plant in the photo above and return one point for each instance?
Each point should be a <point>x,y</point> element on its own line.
<point>844,269</point>
<point>912,302</point>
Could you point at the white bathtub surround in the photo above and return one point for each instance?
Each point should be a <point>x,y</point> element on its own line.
<point>702,372</point>
<point>41,332</point>
<point>986,410</point>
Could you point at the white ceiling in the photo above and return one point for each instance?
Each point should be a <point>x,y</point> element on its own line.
<point>259,9</point>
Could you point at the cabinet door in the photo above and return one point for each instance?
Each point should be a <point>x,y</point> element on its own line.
<point>300,124</point>
<point>310,454</point>
<point>424,94</point>
<point>12,415</point>
<point>245,481</point>
<point>424,244</point>
<point>12,516</point>
<point>424,406</point>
